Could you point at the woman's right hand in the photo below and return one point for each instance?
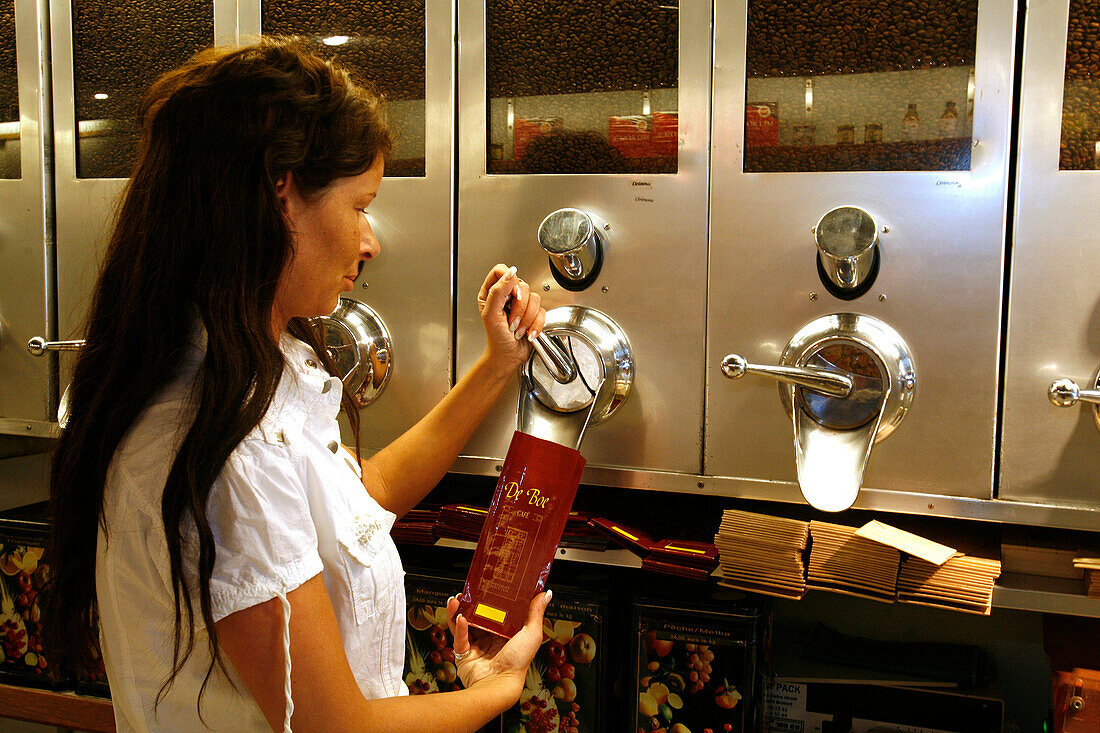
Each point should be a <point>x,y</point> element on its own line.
<point>493,659</point>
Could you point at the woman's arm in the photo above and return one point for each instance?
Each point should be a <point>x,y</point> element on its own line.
<point>401,474</point>
<point>326,696</point>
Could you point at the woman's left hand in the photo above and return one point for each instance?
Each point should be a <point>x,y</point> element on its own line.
<point>511,314</point>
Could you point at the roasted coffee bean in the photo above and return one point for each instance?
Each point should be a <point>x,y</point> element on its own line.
<point>922,155</point>
<point>385,46</point>
<point>541,47</point>
<point>1081,96</point>
<point>9,91</point>
<point>799,38</point>
<point>119,48</point>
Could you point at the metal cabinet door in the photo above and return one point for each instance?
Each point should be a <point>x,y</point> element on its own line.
<point>28,393</point>
<point>1051,455</point>
<point>551,101</point>
<point>105,53</point>
<point>940,223</point>
<point>406,51</point>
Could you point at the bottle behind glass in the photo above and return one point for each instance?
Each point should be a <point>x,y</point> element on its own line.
<point>949,121</point>
<point>910,124</point>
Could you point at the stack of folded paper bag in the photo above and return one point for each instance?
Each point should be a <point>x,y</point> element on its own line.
<point>684,558</point>
<point>844,562</point>
<point>762,554</point>
<point>461,522</point>
<point>417,527</point>
<point>963,582</point>
<point>1091,566</point>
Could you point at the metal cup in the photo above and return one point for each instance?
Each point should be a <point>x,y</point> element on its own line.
<point>846,238</point>
<point>574,245</point>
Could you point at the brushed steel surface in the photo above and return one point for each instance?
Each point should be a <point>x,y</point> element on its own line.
<point>1048,454</point>
<point>653,277</point>
<point>409,283</point>
<point>941,243</point>
<point>26,241</point>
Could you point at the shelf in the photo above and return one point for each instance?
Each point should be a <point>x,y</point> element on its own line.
<point>1048,595</point>
<point>61,709</point>
<point>1012,591</point>
<point>618,558</point>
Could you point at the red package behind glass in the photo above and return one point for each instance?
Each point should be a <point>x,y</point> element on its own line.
<point>525,523</point>
<point>631,135</point>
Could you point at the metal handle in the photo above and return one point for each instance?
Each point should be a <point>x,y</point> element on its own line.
<point>736,366</point>
<point>1066,393</point>
<point>38,346</point>
<point>561,365</point>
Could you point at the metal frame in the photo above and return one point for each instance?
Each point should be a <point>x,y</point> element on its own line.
<point>652,282</point>
<point>939,286</point>
<point>1050,454</point>
<point>26,237</point>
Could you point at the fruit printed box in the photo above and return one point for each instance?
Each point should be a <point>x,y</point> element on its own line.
<point>24,569</point>
<point>429,651</point>
<point>566,678</point>
<point>696,670</point>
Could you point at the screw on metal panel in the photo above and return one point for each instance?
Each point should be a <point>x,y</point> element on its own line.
<point>931,505</point>
<point>498,468</point>
<point>700,484</point>
<point>546,287</point>
<point>365,285</point>
<point>813,296</point>
<point>882,297</point>
<point>886,230</point>
<point>603,289</point>
<point>561,550</point>
<point>607,227</point>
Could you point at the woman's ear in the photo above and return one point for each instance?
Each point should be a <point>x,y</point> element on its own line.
<point>287,192</point>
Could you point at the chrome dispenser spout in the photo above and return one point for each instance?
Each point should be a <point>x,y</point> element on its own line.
<point>561,365</point>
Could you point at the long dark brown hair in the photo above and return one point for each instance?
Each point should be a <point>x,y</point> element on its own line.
<point>199,231</point>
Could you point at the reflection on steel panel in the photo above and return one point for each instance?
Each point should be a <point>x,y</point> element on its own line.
<point>382,42</point>
<point>9,95</point>
<point>1080,149</point>
<point>860,85</point>
<point>582,87</point>
<point>119,48</point>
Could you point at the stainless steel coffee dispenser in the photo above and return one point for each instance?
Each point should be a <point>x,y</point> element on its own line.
<point>901,226</point>
<point>1050,450</point>
<point>583,162</point>
<point>847,382</point>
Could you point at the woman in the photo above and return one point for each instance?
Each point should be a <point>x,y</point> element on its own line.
<point>205,514</point>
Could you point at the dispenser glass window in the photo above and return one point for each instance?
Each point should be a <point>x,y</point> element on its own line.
<point>861,85</point>
<point>382,43</point>
<point>119,48</point>
<point>582,87</point>
<point>10,166</point>
<point>1080,149</point>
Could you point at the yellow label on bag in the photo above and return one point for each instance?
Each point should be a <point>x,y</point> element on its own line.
<point>685,549</point>
<point>493,614</point>
<point>624,533</point>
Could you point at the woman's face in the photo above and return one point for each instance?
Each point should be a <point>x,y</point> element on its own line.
<point>331,237</point>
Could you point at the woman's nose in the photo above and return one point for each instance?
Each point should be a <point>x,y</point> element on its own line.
<point>368,245</point>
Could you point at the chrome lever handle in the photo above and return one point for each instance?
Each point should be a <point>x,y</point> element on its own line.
<point>1066,393</point>
<point>735,366</point>
<point>561,365</point>
<point>38,346</point>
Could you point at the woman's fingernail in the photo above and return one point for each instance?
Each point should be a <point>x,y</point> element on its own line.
<point>549,595</point>
<point>532,336</point>
<point>512,326</point>
<point>520,331</point>
<point>510,274</point>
